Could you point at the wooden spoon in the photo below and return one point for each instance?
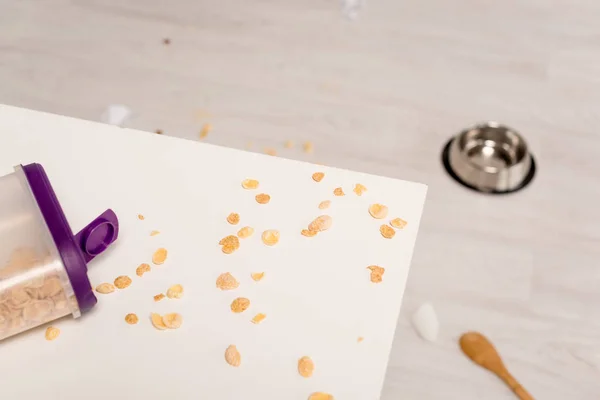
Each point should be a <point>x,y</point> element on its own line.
<point>481,351</point>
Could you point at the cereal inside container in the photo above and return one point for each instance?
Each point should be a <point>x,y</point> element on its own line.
<point>43,266</point>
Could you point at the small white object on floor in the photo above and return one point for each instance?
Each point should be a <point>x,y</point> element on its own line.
<point>426,323</point>
<point>115,114</point>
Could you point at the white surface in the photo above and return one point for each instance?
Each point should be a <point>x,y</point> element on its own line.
<point>316,292</point>
<point>426,322</point>
<point>379,94</point>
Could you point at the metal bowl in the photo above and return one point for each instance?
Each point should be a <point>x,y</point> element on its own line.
<point>491,158</point>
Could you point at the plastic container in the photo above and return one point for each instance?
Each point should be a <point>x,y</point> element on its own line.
<point>43,266</point>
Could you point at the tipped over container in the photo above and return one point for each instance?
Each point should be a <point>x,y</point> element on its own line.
<point>43,266</point>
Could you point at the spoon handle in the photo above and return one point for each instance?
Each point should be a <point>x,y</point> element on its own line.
<point>516,387</point>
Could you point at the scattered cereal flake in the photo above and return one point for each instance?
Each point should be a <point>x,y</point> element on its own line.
<point>52,333</point>
<point>262,198</point>
<point>232,356</point>
<point>321,223</point>
<point>230,240</point>
<point>308,233</point>
<point>270,237</point>
<point>289,144</point>
<point>158,131</point>
<point>250,184</point>
<point>359,189</point>
<point>398,223</point>
<point>324,204</point>
<point>154,233</point>
<point>159,256</point>
<point>122,281</point>
<point>306,366</point>
<point>226,281</point>
<point>258,318</point>
<point>159,297</point>
<point>245,232</point>
<point>360,339</point>
<point>141,217</point>
<point>376,273</point>
<point>387,231</point>
<point>175,292</point>
<point>172,320</point>
<point>142,269</point>
<point>318,176</point>
<point>157,321</point>
<point>308,147</point>
<point>205,130</point>
<point>339,192</point>
<point>378,211</point>
<point>320,396</point>
<point>105,288</point>
<point>257,276</point>
<point>233,218</point>
<point>131,319</point>
<point>228,249</point>
<point>240,305</point>
<point>270,151</point>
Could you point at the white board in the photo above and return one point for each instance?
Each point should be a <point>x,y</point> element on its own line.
<point>316,292</point>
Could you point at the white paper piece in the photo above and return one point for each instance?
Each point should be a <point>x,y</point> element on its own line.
<point>115,114</point>
<point>351,8</point>
<point>426,323</point>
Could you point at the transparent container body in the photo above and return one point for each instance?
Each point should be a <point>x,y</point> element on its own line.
<point>34,285</point>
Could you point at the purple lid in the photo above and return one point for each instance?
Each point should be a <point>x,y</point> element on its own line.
<point>75,250</point>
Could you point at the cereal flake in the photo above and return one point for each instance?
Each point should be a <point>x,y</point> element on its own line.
<point>321,223</point>
<point>324,204</point>
<point>205,130</point>
<point>157,321</point>
<point>250,184</point>
<point>172,320</point>
<point>320,396</point>
<point>154,233</point>
<point>245,232</point>
<point>387,231</point>
<point>226,281</point>
<point>233,356</point>
<point>141,217</point>
<point>318,176</point>
<point>308,147</point>
<point>306,367</point>
<point>131,319</point>
<point>105,288</point>
<point>257,276</point>
<point>338,192</point>
<point>289,144</point>
<point>398,223</point>
<point>159,297</point>
<point>233,218</point>
<point>359,189</point>
<point>262,198</point>
<point>378,211</point>
<point>142,269</point>
<point>123,281</point>
<point>175,292</point>
<point>270,151</point>
<point>240,305</point>
<point>159,256</point>
<point>52,333</point>
<point>258,318</point>
<point>270,237</point>
<point>376,273</point>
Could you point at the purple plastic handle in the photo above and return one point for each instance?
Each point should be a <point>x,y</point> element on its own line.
<point>98,235</point>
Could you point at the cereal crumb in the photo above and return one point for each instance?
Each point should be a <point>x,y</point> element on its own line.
<point>233,218</point>
<point>270,237</point>
<point>52,333</point>
<point>105,288</point>
<point>172,320</point>
<point>123,281</point>
<point>378,211</point>
<point>142,269</point>
<point>240,305</point>
<point>257,276</point>
<point>258,318</point>
<point>376,273</point>
<point>131,319</point>
<point>398,223</point>
<point>175,292</point>
<point>320,396</point>
<point>154,233</point>
<point>387,232</point>
<point>321,223</point>
<point>339,192</point>
<point>324,204</point>
<point>141,217</point>
<point>232,356</point>
<point>306,366</point>
<point>270,151</point>
<point>318,176</point>
<point>159,297</point>
<point>158,131</point>
<point>159,256</point>
<point>250,184</point>
<point>157,321</point>
<point>263,198</point>
<point>205,130</point>
<point>226,281</point>
<point>308,233</point>
<point>166,41</point>
<point>245,232</point>
<point>360,339</point>
<point>359,189</point>
<point>289,144</point>
<point>308,147</point>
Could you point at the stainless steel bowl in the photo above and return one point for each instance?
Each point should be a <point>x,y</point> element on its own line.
<point>490,157</point>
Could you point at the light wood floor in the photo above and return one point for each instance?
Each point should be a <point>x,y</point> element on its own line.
<point>380,94</point>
